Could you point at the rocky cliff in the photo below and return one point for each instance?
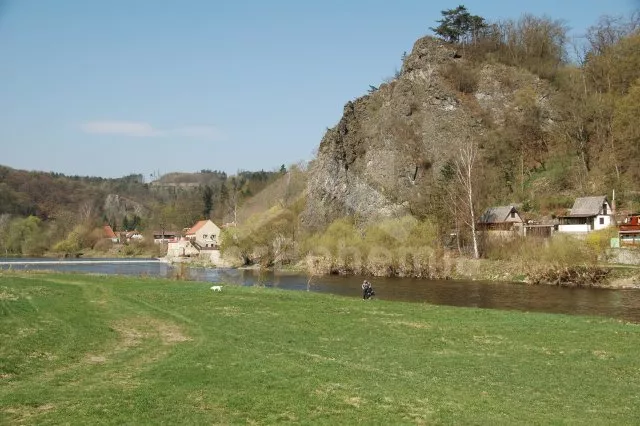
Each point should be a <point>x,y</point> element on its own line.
<point>383,156</point>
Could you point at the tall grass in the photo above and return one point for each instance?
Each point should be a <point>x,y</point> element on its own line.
<point>560,260</point>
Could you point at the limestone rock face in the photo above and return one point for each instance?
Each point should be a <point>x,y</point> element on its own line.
<point>383,156</point>
<point>117,206</point>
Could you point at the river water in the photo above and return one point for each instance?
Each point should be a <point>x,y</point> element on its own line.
<point>623,304</point>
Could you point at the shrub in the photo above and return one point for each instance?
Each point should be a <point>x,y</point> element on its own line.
<point>463,77</point>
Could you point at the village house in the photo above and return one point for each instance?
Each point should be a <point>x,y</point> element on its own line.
<point>205,235</point>
<point>107,232</point>
<point>182,247</point>
<point>163,236</point>
<point>587,214</point>
<point>501,221</point>
<point>629,230</point>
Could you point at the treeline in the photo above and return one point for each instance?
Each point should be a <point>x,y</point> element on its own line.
<point>575,138</point>
<point>50,212</point>
<point>583,137</point>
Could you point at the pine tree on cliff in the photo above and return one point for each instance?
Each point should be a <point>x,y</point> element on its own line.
<point>458,25</point>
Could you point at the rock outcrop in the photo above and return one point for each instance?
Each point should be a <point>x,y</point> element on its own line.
<point>118,207</point>
<point>383,156</point>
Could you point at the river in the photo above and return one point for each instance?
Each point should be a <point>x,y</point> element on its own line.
<point>622,304</point>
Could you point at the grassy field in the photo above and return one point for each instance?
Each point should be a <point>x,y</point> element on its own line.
<point>84,349</point>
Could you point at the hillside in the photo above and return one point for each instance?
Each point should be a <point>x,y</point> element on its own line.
<point>33,204</point>
<point>485,114</point>
<point>384,156</point>
<point>542,130</point>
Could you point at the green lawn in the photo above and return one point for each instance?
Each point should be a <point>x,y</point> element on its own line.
<point>84,349</point>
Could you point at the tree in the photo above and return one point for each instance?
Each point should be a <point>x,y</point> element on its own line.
<point>464,165</point>
<point>626,129</point>
<point>5,220</point>
<point>207,199</point>
<point>283,169</point>
<point>135,222</point>
<point>24,236</point>
<point>458,25</point>
<point>236,185</point>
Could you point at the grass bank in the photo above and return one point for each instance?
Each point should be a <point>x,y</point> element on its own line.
<point>88,349</point>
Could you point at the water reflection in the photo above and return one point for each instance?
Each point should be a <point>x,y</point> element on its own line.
<point>624,304</point>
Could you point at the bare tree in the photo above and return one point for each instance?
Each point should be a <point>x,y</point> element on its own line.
<point>5,219</point>
<point>236,184</point>
<point>464,165</point>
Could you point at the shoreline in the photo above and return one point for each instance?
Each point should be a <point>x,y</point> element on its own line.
<point>613,276</point>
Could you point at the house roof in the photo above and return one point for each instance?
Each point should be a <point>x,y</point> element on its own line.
<point>587,206</point>
<point>197,226</point>
<point>108,232</point>
<point>166,233</point>
<point>496,214</point>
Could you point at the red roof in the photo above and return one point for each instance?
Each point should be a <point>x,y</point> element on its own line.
<point>108,232</point>
<point>197,226</point>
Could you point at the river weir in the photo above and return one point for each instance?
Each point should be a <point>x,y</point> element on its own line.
<point>77,262</point>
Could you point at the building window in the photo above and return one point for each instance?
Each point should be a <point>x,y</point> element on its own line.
<point>513,215</point>
<point>602,221</point>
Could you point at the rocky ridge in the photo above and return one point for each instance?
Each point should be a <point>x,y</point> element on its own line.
<point>383,156</point>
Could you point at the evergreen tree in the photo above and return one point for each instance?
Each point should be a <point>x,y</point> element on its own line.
<point>458,25</point>
<point>207,198</point>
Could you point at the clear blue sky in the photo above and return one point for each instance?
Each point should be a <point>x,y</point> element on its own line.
<point>116,87</point>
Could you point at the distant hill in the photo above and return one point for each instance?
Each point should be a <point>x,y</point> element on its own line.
<point>175,200</point>
<point>286,190</point>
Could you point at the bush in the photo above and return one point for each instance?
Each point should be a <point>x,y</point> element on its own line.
<point>463,77</point>
<point>103,245</point>
<point>558,250</point>
<point>394,247</point>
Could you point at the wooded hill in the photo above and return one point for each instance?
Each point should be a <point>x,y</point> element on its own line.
<point>52,205</point>
<point>482,114</point>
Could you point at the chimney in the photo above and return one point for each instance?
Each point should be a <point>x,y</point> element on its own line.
<point>613,206</point>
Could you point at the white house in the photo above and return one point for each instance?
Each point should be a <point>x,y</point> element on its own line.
<point>204,234</point>
<point>182,248</point>
<point>587,214</point>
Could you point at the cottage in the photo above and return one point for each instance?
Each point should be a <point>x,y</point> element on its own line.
<point>107,232</point>
<point>587,214</point>
<point>629,230</point>
<point>501,221</point>
<point>204,235</point>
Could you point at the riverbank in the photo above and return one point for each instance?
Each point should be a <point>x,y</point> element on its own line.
<point>602,275</point>
<point>179,353</point>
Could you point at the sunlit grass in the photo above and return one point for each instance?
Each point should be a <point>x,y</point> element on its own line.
<point>86,349</point>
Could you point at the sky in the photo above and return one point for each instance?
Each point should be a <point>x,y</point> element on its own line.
<point>151,87</point>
